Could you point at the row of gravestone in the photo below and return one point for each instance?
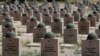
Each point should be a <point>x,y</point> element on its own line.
<point>49,46</point>
<point>57,26</point>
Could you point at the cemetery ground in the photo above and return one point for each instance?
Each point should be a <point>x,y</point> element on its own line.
<point>28,48</point>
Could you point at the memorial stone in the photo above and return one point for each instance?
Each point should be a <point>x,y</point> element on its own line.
<point>47,19</point>
<point>17,15</point>
<point>39,32</point>
<point>49,46</point>
<point>10,45</point>
<point>97,15</point>
<point>25,18</point>
<point>70,34</point>
<point>76,16</point>
<point>83,26</point>
<point>62,13</point>
<point>31,24</point>
<point>68,19</point>
<point>92,20</point>
<point>91,47</point>
<point>97,31</point>
<point>57,25</point>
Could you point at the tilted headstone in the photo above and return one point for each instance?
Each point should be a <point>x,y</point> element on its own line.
<point>91,47</point>
<point>83,26</point>
<point>70,34</point>
<point>49,46</point>
<point>57,25</point>
<point>92,20</point>
<point>31,24</point>
<point>10,45</point>
<point>68,19</point>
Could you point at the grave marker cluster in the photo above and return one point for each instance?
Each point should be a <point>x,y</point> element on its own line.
<point>46,21</point>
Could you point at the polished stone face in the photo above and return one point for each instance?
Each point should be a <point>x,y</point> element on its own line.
<point>90,48</point>
<point>38,33</point>
<point>11,47</point>
<point>83,27</point>
<point>49,47</point>
<point>70,36</point>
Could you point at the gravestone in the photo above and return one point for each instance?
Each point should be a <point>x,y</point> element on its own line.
<point>39,32</point>
<point>41,8</point>
<point>70,34</point>
<point>31,24</point>
<point>55,14</point>
<point>4,15</point>
<point>11,11</point>
<point>1,19</point>
<point>51,10</point>
<point>47,18</point>
<point>49,46</point>
<point>8,28</point>
<point>20,9</point>
<point>91,47</point>
<point>6,8</point>
<point>62,13</point>
<point>29,11</point>
<point>25,18</point>
<point>45,11</point>
<point>97,31</point>
<point>37,14</point>
<point>7,19</point>
<point>76,16</point>
<point>68,19</point>
<point>17,15</point>
<point>97,15</point>
<point>83,26</point>
<point>57,26</point>
<point>81,12</point>
<point>10,45</point>
<point>92,20</point>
